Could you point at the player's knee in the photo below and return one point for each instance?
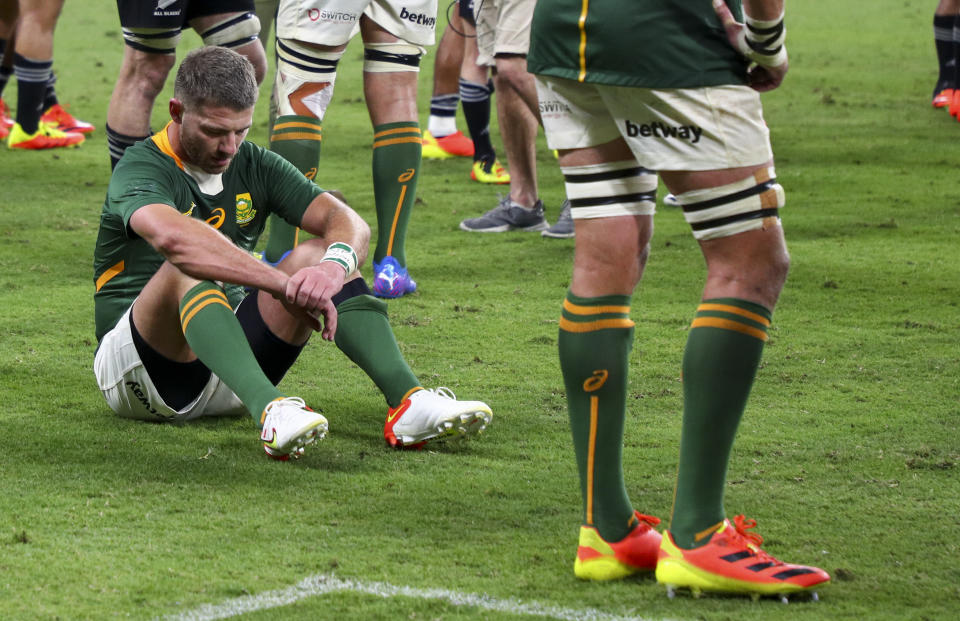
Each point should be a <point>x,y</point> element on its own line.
<point>746,205</point>
<point>512,72</point>
<point>257,57</point>
<point>240,32</point>
<point>352,289</point>
<point>391,57</point>
<point>146,73</point>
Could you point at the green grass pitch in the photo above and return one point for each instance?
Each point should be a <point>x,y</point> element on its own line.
<point>848,455</point>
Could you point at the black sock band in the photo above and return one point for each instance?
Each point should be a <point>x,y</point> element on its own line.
<point>274,355</point>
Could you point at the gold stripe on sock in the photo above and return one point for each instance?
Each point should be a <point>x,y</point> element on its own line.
<point>579,309</point>
<point>396,218</point>
<point>727,324</point>
<point>590,326</point>
<point>736,310</point>
<point>397,130</point>
<point>300,124</point>
<point>386,143</point>
<point>407,394</point>
<point>591,453</point>
<point>197,302</point>
<point>296,136</point>
<point>200,307</point>
<point>199,296</point>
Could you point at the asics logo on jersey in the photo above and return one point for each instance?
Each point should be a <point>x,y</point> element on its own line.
<point>216,220</point>
<point>596,381</point>
<point>421,19</point>
<point>659,130</point>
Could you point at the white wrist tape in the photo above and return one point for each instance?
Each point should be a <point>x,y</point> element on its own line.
<point>764,39</point>
<point>343,255</point>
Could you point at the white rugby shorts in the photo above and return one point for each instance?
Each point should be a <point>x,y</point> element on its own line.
<point>335,22</point>
<point>130,393</point>
<point>709,128</point>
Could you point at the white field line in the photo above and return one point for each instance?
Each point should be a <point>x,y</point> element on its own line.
<point>322,584</point>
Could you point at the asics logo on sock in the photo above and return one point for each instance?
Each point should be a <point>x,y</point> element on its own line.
<point>310,174</point>
<point>596,381</point>
<point>407,175</point>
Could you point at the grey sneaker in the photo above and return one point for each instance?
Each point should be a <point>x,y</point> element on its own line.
<point>563,227</point>
<point>508,216</point>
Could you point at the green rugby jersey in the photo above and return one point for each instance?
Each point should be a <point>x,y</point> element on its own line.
<point>257,183</point>
<point>641,43</point>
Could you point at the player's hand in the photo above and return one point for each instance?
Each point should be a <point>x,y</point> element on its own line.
<point>311,289</point>
<point>761,76</point>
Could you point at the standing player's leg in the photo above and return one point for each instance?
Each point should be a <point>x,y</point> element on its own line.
<point>266,10</point>
<point>57,115</point>
<point>476,90</point>
<point>442,138</point>
<point>614,203</point>
<point>8,31</point>
<point>390,70</point>
<point>944,22</point>
<point>734,216</point>
<point>149,52</point>
<point>33,63</point>
<point>306,76</point>
<point>503,37</point>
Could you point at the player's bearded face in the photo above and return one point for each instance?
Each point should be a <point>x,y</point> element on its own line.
<point>211,135</point>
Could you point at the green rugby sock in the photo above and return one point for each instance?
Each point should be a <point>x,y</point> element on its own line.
<point>720,361</point>
<point>396,168</point>
<point>365,336</point>
<point>215,336</point>
<point>596,336</point>
<point>297,139</point>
